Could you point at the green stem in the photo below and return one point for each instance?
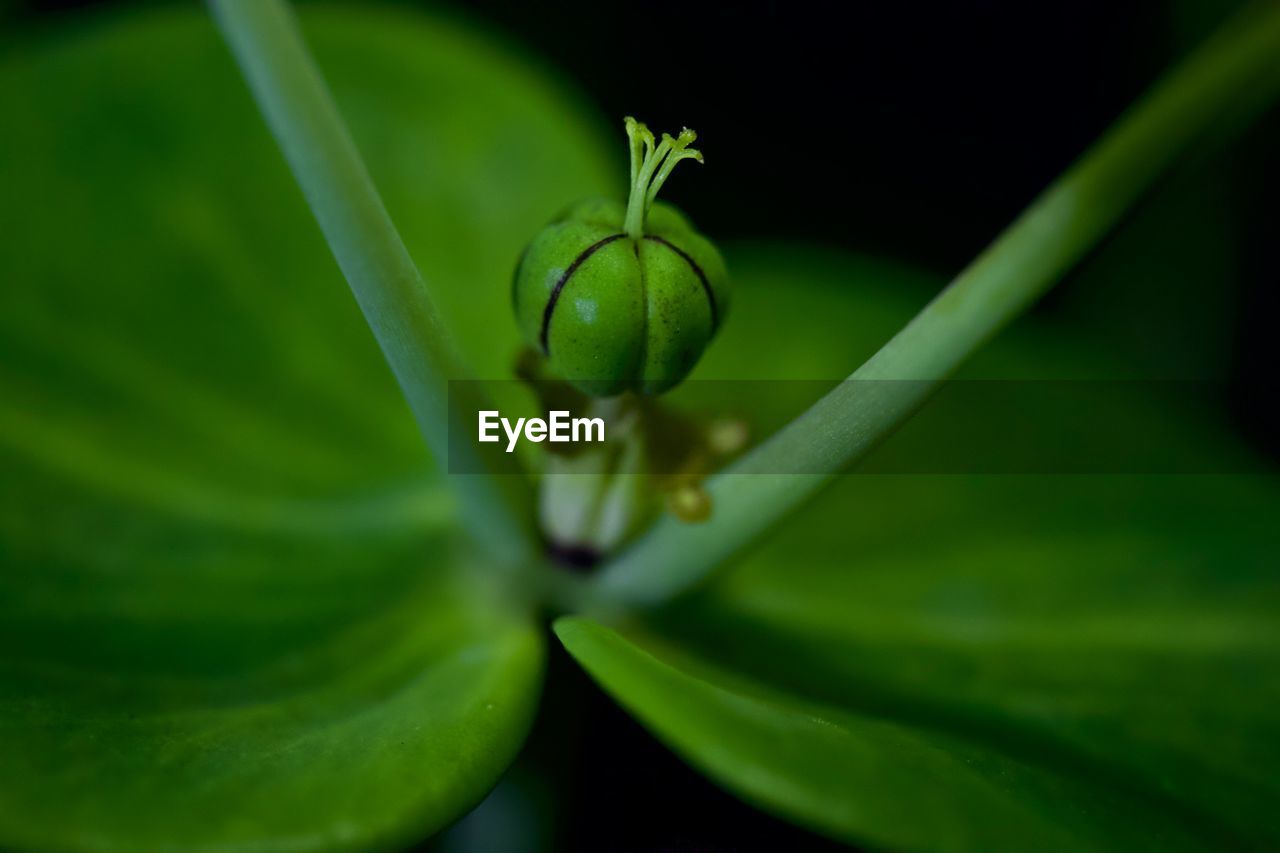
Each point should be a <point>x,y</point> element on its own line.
<point>293,98</point>
<point>1053,234</point>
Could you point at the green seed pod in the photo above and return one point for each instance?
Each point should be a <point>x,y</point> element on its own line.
<point>624,299</point>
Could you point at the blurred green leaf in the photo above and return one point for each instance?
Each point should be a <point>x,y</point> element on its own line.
<point>232,611</point>
<point>978,662</point>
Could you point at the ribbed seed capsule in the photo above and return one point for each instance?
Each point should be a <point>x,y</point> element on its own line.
<point>624,299</point>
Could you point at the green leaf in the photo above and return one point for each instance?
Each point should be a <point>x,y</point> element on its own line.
<point>233,610</point>
<point>980,662</point>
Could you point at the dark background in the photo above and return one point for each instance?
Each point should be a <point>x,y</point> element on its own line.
<point>911,129</point>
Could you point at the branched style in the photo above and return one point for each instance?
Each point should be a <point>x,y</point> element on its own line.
<point>644,184</point>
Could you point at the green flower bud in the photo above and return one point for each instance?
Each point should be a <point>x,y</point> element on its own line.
<point>624,299</point>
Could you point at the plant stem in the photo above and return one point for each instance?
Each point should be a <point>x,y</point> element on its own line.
<point>1034,252</point>
<point>297,106</point>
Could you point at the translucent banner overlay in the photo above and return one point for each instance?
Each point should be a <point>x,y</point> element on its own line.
<point>965,427</point>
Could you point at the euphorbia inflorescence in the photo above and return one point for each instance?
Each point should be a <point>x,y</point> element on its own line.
<point>624,298</point>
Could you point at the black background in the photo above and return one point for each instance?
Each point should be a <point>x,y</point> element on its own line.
<point>913,129</point>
